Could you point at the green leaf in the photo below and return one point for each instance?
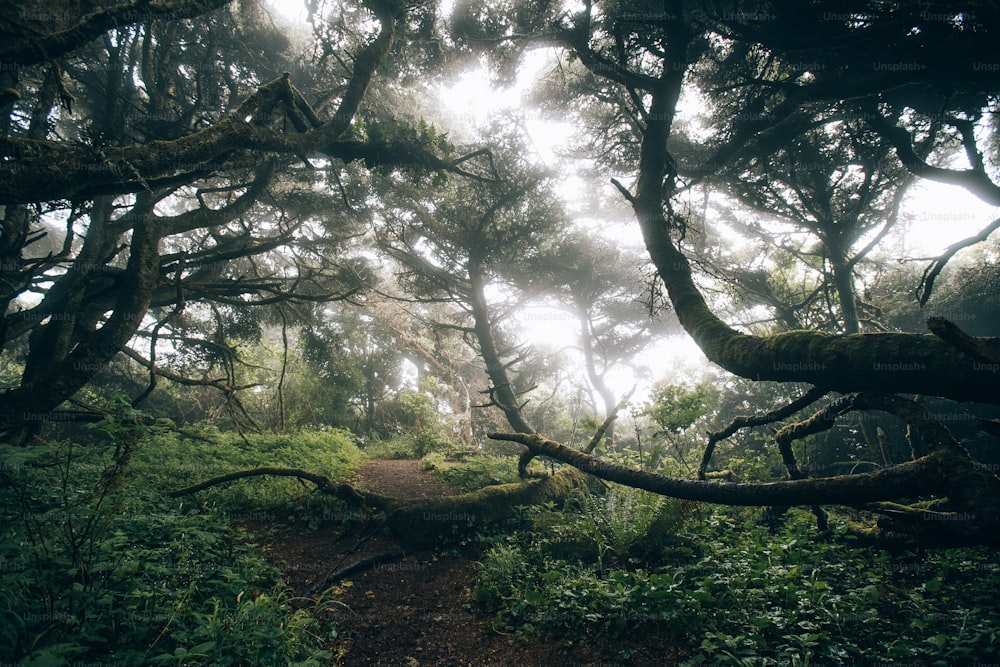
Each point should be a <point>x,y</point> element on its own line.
<point>534,598</point>
<point>202,649</point>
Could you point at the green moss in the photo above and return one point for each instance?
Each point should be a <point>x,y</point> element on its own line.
<point>426,523</point>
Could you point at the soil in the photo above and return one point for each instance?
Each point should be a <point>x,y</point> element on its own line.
<point>417,610</point>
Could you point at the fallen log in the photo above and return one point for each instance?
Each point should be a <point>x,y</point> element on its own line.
<point>424,523</point>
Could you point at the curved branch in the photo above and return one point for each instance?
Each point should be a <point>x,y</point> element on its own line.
<point>777,414</point>
<point>365,64</point>
<point>884,362</point>
<point>935,267</point>
<point>30,49</point>
<point>975,180</point>
<point>174,313</point>
<point>820,421</point>
<point>322,482</point>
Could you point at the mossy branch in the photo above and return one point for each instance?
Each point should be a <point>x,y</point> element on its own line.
<point>924,475</point>
<point>777,414</point>
<point>423,523</point>
<point>323,484</point>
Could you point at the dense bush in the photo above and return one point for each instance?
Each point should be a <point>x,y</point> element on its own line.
<point>410,444</point>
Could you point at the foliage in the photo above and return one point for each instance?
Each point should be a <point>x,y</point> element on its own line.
<point>675,408</point>
<point>399,447</point>
<point>552,579</point>
<point>95,563</point>
<point>747,596</point>
<point>411,444</point>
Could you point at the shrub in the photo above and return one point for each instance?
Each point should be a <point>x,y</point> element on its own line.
<point>412,444</point>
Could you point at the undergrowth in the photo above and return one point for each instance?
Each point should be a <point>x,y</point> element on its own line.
<point>735,593</point>
<point>97,565</point>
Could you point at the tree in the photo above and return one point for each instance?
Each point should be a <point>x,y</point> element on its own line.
<point>837,184</point>
<point>457,247</point>
<point>192,204</point>
<point>601,285</point>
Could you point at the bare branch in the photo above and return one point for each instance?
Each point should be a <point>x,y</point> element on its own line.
<point>935,267</point>
<point>602,429</point>
<point>777,414</point>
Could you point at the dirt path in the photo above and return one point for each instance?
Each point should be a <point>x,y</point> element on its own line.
<point>417,610</point>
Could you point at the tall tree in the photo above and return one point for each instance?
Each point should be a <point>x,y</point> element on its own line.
<point>602,286</point>
<point>837,184</point>
<point>465,246</point>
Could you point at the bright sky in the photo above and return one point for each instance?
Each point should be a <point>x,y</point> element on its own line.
<point>938,215</point>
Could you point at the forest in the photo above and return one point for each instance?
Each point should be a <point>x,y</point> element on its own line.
<point>454,332</point>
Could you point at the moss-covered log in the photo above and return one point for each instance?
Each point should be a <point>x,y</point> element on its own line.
<point>423,523</point>
<point>922,476</point>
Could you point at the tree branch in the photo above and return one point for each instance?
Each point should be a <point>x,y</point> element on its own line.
<point>777,414</point>
<point>603,428</point>
<point>975,180</point>
<point>322,482</point>
<point>49,170</point>
<point>924,475</point>
<point>935,267</point>
<point>950,333</point>
<point>30,49</point>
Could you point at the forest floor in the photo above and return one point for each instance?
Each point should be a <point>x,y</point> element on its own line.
<point>418,610</point>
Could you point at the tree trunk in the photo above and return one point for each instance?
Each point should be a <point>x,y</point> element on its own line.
<point>502,391</point>
<point>66,354</point>
<point>843,281</point>
<point>596,379</point>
